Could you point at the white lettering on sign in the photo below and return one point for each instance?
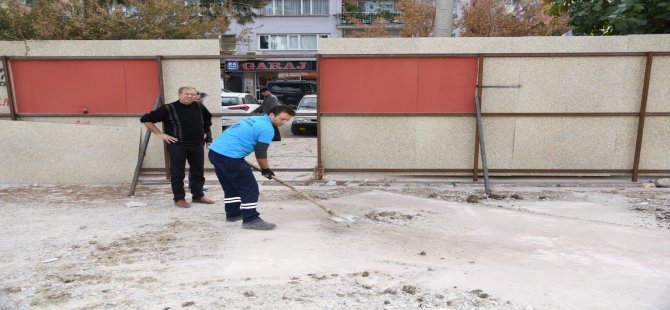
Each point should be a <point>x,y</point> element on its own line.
<point>248,66</point>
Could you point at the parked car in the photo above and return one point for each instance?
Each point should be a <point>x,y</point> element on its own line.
<point>239,103</point>
<point>305,116</point>
<point>290,92</point>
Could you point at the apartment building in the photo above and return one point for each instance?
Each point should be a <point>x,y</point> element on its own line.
<point>294,27</point>
<point>285,27</point>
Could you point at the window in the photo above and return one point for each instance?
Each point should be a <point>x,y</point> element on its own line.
<point>289,41</point>
<point>295,8</point>
<point>308,102</point>
<point>292,7</point>
<point>293,42</point>
<point>375,6</point>
<point>228,101</point>
<point>249,99</point>
<point>306,7</point>
<point>228,43</point>
<point>308,42</point>
<point>293,89</point>
<point>264,42</point>
<point>278,43</point>
<point>276,88</point>
<point>319,7</point>
<point>310,88</point>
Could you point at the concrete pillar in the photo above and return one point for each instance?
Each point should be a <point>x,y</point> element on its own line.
<point>444,18</point>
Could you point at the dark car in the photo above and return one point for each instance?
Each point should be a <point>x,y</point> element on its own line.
<point>291,91</point>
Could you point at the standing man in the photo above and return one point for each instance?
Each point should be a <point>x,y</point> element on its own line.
<point>187,129</point>
<point>269,102</point>
<point>227,154</point>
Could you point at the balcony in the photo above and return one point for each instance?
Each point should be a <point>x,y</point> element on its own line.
<point>358,19</point>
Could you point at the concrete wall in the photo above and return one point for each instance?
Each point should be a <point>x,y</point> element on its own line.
<point>36,152</point>
<point>7,49</point>
<point>202,74</point>
<point>557,84</point>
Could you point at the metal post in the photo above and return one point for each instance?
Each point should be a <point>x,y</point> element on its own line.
<point>10,89</point>
<point>166,155</point>
<point>487,188</point>
<point>643,111</point>
<point>480,78</point>
<point>142,153</point>
<point>319,170</point>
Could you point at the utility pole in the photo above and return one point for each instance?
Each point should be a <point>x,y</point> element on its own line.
<point>444,18</point>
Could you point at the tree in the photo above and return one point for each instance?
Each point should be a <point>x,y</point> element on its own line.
<point>376,30</point>
<point>373,26</point>
<point>488,18</point>
<point>616,17</point>
<point>12,28</point>
<point>417,18</point>
<point>492,18</point>
<point>537,19</point>
<point>116,19</point>
<point>244,12</point>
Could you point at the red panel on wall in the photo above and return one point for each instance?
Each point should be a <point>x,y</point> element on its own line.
<point>397,85</point>
<point>72,86</point>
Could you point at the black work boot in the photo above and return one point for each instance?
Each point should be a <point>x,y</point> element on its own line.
<point>234,218</point>
<point>259,224</point>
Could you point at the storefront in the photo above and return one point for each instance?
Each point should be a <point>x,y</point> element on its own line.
<point>252,75</point>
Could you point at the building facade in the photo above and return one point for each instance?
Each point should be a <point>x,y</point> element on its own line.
<point>294,27</point>
<point>285,27</point>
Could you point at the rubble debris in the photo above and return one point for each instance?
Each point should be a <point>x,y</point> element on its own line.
<point>664,182</point>
<point>249,294</point>
<point>409,289</point>
<point>131,204</point>
<point>13,289</point>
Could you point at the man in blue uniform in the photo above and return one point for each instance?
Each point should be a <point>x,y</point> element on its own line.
<point>227,153</point>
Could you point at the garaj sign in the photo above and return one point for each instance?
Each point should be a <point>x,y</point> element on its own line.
<point>257,65</point>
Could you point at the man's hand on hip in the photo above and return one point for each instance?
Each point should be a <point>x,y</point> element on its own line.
<point>168,138</point>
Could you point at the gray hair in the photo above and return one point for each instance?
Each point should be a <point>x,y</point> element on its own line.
<point>185,87</point>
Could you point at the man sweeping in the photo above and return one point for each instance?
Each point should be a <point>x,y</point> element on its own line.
<point>227,153</point>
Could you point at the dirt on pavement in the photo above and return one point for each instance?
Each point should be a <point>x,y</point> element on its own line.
<point>80,247</point>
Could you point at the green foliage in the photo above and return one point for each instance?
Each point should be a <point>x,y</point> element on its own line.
<point>127,19</point>
<point>12,28</point>
<point>616,17</point>
<point>350,8</point>
<point>242,11</point>
<point>353,12</point>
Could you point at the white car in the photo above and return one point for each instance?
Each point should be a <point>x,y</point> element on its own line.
<point>238,103</point>
<point>305,116</point>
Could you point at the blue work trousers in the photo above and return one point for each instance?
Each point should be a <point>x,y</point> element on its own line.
<point>239,186</point>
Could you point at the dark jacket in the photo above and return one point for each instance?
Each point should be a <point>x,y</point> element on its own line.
<point>187,123</point>
<point>268,103</point>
